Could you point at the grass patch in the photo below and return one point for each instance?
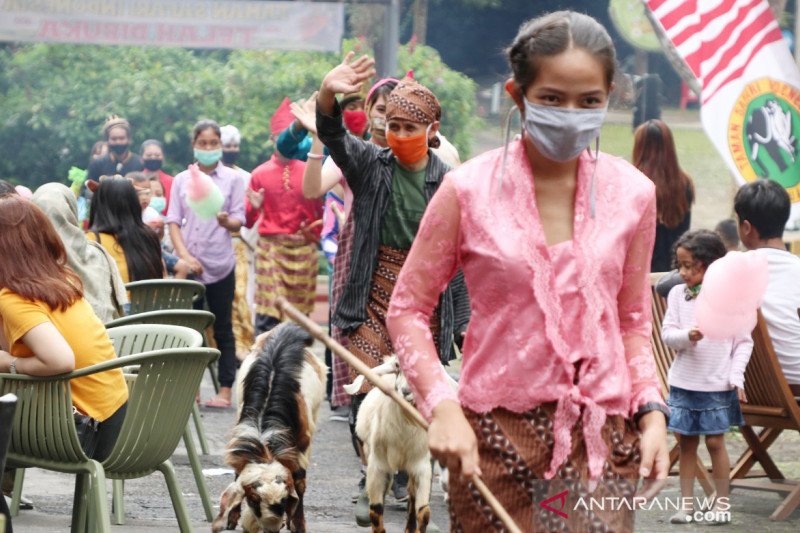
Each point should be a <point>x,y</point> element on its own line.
<point>713,182</point>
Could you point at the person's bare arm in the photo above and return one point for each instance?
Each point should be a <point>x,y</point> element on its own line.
<point>317,178</point>
<point>52,354</point>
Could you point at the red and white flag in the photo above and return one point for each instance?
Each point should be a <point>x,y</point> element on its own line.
<point>750,84</point>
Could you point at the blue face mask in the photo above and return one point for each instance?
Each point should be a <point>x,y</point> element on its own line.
<point>159,203</point>
<point>208,157</point>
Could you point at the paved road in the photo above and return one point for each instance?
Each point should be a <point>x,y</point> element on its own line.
<point>332,481</point>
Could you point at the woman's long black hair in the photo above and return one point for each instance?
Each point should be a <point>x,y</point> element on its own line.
<point>116,210</point>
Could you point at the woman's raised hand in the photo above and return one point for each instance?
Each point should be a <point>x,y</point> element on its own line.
<point>349,75</point>
<point>305,111</point>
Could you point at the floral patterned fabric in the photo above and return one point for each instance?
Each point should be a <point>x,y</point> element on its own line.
<point>521,347</point>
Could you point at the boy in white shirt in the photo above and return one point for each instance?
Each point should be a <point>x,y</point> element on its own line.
<point>762,209</point>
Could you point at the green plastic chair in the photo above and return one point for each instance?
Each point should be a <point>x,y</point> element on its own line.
<point>190,318</point>
<point>162,294</point>
<point>155,338</point>
<point>161,396</point>
<point>165,294</point>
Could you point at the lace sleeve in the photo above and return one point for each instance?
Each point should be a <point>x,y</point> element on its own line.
<point>635,314</point>
<point>431,264</point>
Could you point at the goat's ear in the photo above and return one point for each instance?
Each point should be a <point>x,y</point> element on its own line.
<point>237,461</point>
<point>389,366</point>
<point>260,341</point>
<point>293,499</point>
<point>230,508</point>
<point>252,495</point>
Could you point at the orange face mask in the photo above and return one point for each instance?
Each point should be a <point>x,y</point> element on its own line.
<point>408,150</point>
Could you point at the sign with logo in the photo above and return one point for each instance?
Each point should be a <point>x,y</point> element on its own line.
<point>762,133</point>
<point>631,22</point>
<point>186,23</point>
<point>750,85</point>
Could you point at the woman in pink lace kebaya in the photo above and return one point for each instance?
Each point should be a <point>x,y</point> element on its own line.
<point>558,383</point>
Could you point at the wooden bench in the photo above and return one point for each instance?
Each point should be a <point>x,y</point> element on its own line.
<point>772,407</point>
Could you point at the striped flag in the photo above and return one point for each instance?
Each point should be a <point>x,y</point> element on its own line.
<point>750,84</point>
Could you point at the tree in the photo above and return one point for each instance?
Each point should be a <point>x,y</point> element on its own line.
<point>455,92</point>
<point>778,7</point>
<point>55,98</point>
<point>420,14</point>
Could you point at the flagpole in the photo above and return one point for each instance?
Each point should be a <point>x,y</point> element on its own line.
<point>796,32</point>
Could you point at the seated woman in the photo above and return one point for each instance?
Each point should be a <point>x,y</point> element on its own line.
<point>48,328</point>
<point>115,221</point>
<point>102,284</point>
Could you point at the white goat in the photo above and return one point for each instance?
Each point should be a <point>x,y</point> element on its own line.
<point>392,442</point>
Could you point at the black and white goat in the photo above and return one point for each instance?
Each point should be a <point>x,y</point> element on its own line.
<point>392,442</point>
<point>281,385</point>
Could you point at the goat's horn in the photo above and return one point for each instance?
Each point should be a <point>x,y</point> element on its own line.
<point>355,386</point>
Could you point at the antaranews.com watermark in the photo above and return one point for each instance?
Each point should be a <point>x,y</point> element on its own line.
<point>712,510</point>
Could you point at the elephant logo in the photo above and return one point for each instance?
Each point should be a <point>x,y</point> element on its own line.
<point>764,132</point>
<point>769,128</point>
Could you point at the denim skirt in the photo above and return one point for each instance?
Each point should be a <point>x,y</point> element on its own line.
<point>703,413</point>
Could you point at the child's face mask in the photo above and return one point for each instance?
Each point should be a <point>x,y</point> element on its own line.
<point>159,203</point>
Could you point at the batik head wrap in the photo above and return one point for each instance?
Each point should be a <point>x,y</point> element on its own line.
<point>413,101</point>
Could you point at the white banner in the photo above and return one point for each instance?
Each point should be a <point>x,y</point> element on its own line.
<point>754,121</point>
<point>184,23</point>
<point>750,84</point>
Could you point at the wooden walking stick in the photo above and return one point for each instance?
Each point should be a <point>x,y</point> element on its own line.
<point>319,334</point>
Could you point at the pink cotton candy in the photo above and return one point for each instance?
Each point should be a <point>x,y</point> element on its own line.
<point>199,184</point>
<point>23,191</point>
<point>732,290</point>
<point>202,194</point>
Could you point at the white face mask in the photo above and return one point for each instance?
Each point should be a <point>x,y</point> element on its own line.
<point>560,134</point>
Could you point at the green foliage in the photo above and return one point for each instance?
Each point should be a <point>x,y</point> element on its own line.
<point>455,91</point>
<point>55,98</point>
<point>481,3</point>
